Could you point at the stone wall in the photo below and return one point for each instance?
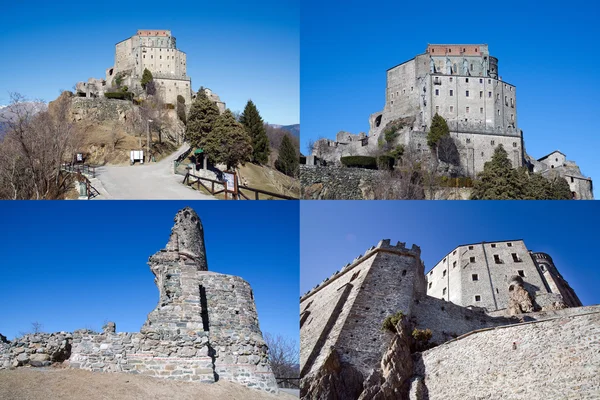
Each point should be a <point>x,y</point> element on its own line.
<point>553,359</point>
<point>99,109</point>
<point>336,183</point>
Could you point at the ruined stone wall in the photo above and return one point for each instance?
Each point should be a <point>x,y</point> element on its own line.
<point>553,359</point>
<point>336,183</point>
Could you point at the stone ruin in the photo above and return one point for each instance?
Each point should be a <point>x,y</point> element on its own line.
<point>204,328</point>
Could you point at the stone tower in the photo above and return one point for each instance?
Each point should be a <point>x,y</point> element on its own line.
<point>554,280</point>
<point>214,310</point>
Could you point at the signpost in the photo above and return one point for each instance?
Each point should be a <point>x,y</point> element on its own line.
<point>231,183</point>
<point>137,155</point>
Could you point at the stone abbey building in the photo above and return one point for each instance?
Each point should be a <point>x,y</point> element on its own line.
<point>203,329</point>
<point>155,50</point>
<point>494,310</point>
<point>462,83</point>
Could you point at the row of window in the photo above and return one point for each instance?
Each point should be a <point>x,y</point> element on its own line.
<point>468,110</point>
<point>438,81</point>
<point>468,140</point>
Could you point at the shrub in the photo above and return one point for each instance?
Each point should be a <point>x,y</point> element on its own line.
<point>359,162</point>
<point>390,322</point>
<point>119,95</point>
<point>421,339</point>
<point>385,162</point>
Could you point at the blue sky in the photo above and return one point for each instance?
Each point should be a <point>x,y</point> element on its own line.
<point>70,265</point>
<point>241,50</point>
<point>547,50</point>
<point>333,233</point>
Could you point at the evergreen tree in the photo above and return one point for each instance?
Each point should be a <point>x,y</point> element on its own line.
<point>201,118</point>
<point>288,159</point>
<point>498,180</point>
<point>439,128</point>
<point>146,78</point>
<point>181,109</point>
<point>560,189</point>
<point>254,125</point>
<point>227,143</point>
<point>538,188</point>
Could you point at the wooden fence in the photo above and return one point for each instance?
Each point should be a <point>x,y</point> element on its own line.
<point>210,187</point>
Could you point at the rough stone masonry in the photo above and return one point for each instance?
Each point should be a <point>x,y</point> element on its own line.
<point>204,328</point>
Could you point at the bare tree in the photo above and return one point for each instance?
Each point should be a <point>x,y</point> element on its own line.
<point>406,182</point>
<point>115,136</point>
<point>38,142</point>
<point>284,356</point>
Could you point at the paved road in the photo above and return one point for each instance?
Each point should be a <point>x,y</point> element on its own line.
<point>148,181</point>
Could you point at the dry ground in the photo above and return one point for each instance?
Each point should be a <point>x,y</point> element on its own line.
<point>69,384</point>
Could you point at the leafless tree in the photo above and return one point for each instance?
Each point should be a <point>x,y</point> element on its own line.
<point>284,356</point>
<point>34,148</point>
<point>406,182</point>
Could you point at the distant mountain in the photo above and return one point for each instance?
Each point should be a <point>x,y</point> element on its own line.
<point>293,129</point>
<point>8,112</point>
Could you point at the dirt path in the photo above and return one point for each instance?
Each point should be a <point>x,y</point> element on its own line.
<point>148,181</point>
<point>69,384</point>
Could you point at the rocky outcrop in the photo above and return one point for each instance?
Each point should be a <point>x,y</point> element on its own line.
<point>336,183</point>
<point>334,380</point>
<point>520,300</point>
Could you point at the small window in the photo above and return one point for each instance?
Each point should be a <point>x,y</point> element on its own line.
<point>493,142</point>
<point>468,140</point>
<point>489,81</point>
<point>454,252</point>
<point>454,264</point>
<point>450,79</point>
<point>472,259</point>
<point>477,297</point>
<point>444,273</point>
<point>521,273</point>
<point>451,92</point>
<point>481,110</point>
<point>467,80</point>
<point>509,244</point>
<point>497,259</point>
<point>475,277</point>
<point>429,285</point>
<point>498,112</point>
<point>437,109</point>
<point>444,292</point>
<point>481,81</point>
<point>481,94</point>
<point>493,245</point>
<point>470,247</point>
<point>572,180</point>
<point>467,110</point>
<point>467,93</point>
<point>437,92</point>
<point>471,67</point>
<point>514,144</point>
<point>490,94</point>
<point>451,109</point>
<point>516,257</point>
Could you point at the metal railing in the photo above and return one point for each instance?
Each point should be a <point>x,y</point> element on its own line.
<point>84,169</point>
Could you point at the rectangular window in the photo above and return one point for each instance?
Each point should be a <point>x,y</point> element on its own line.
<point>493,142</point>
<point>516,258</point>
<point>477,297</point>
<point>493,245</point>
<point>497,259</point>
<point>437,109</point>
<point>521,273</point>
<point>470,247</point>
<point>481,110</point>
<point>467,110</point>
<point>429,285</point>
<point>444,273</point>
<point>475,277</point>
<point>489,81</point>
<point>437,92</point>
<point>509,244</point>
<point>467,93</point>
<point>450,79</point>
<point>451,93</point>
<point>467,80</point>
<point>444,292</point>
<point>451,109</point>
<point>498,112</point>
<point>481,81</point>
<point>481,94</point>
<point>454,263</point>
<point>490,95</point>
<point>472,259</point>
